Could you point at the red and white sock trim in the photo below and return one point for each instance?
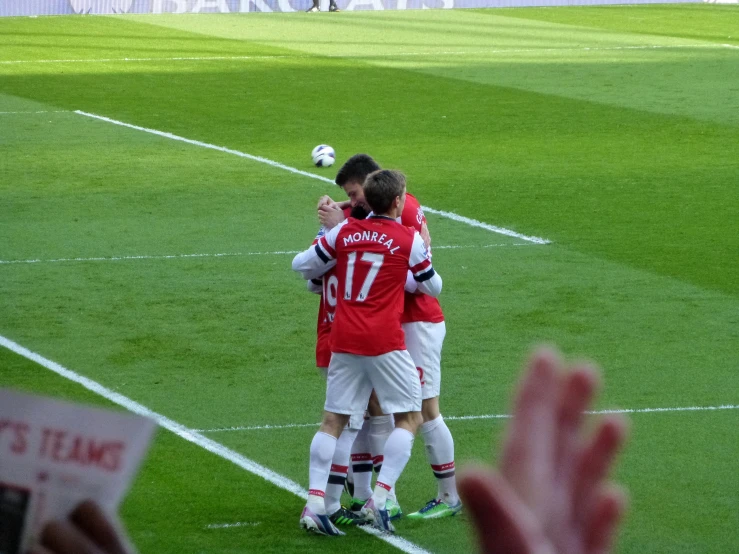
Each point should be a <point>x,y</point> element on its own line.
<point>335,468</point>
<point>337,476</point>
<point>377,462</point>
<point>442,471</point>
<point>383,485</point>
<point>362,462</point>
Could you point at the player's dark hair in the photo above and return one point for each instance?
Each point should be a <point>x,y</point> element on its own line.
<point>356,169</point>
<point>359,212</point>
<point>382,187</point>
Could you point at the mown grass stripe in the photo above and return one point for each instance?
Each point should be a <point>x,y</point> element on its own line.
<point>370,56</point>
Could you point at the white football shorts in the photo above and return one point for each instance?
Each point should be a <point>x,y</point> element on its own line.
<point>424,341</point>
<point>393,376</point>
<point>355,420</point>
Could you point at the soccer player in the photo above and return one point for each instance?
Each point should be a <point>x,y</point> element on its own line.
<point>367,341</point>
<point>327,287</point>
<point>424,327</point>
<point>372,432</point>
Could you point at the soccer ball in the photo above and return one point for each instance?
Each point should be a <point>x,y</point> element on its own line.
<point>323,155</point>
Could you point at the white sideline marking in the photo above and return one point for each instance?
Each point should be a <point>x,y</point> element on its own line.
<point>219,255</point>
<point>486,226</point>
<point>386,55</point>
<point>206,145</point>
<point>42,111</point>
<point>261,427</point>
<point>462,219</point>
<point>229,525</point>
<point>494,416</point>
<point>162,257</point>
<point>656,410</point>
<point>191,436</point>
<point>456,246</point>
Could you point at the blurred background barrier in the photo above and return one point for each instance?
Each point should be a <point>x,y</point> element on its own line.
<point>61,7</point>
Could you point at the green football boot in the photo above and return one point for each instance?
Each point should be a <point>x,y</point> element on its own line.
<point>356,505</point>
<point>435,509</point>
<point>344,517</point>
<point>393,509</point>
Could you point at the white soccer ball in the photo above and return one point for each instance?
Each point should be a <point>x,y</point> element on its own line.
<point>323,155</point>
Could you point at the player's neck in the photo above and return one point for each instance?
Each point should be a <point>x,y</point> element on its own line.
<point>383,216</point>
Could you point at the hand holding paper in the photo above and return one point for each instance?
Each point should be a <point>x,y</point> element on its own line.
<point>65,464</point>
<point>88,530</point>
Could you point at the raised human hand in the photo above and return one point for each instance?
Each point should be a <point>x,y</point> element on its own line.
<point>550,494</point>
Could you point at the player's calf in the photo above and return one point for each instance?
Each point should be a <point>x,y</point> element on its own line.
<point>440,451</point>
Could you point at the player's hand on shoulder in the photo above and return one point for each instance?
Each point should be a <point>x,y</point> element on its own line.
<point>425,235</point>
<point>330,215</point>
<point>88,530</point>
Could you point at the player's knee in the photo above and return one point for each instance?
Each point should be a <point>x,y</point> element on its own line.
<point>416,419</point>
<point>430,409</point>
<point>409,421</point>
<point>333,423</point>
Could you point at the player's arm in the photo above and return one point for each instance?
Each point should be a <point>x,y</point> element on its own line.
<point>425,234</point>
<point>429,282</point>
<point>413,217</point>
<point>411,285</point>
<point>315,286</point>
<point>319,258</point>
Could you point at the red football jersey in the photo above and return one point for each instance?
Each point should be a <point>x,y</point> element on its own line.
<point>418,307</point>
<point>372,260</point>
<point>327,308</point>
<point>326,313</point>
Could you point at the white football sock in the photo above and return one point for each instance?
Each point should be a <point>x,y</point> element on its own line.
<point>440,453</point>
<point>362,463</point>
<point>380,429</point>
<point>339,468</point>
<point>397,453</point>
<point>350,474</point>
<point>321,451</point>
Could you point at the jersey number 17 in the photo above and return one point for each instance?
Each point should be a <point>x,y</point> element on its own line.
<point>376,263</point>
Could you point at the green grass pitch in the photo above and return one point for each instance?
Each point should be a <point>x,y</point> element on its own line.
<point>613,132</point>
